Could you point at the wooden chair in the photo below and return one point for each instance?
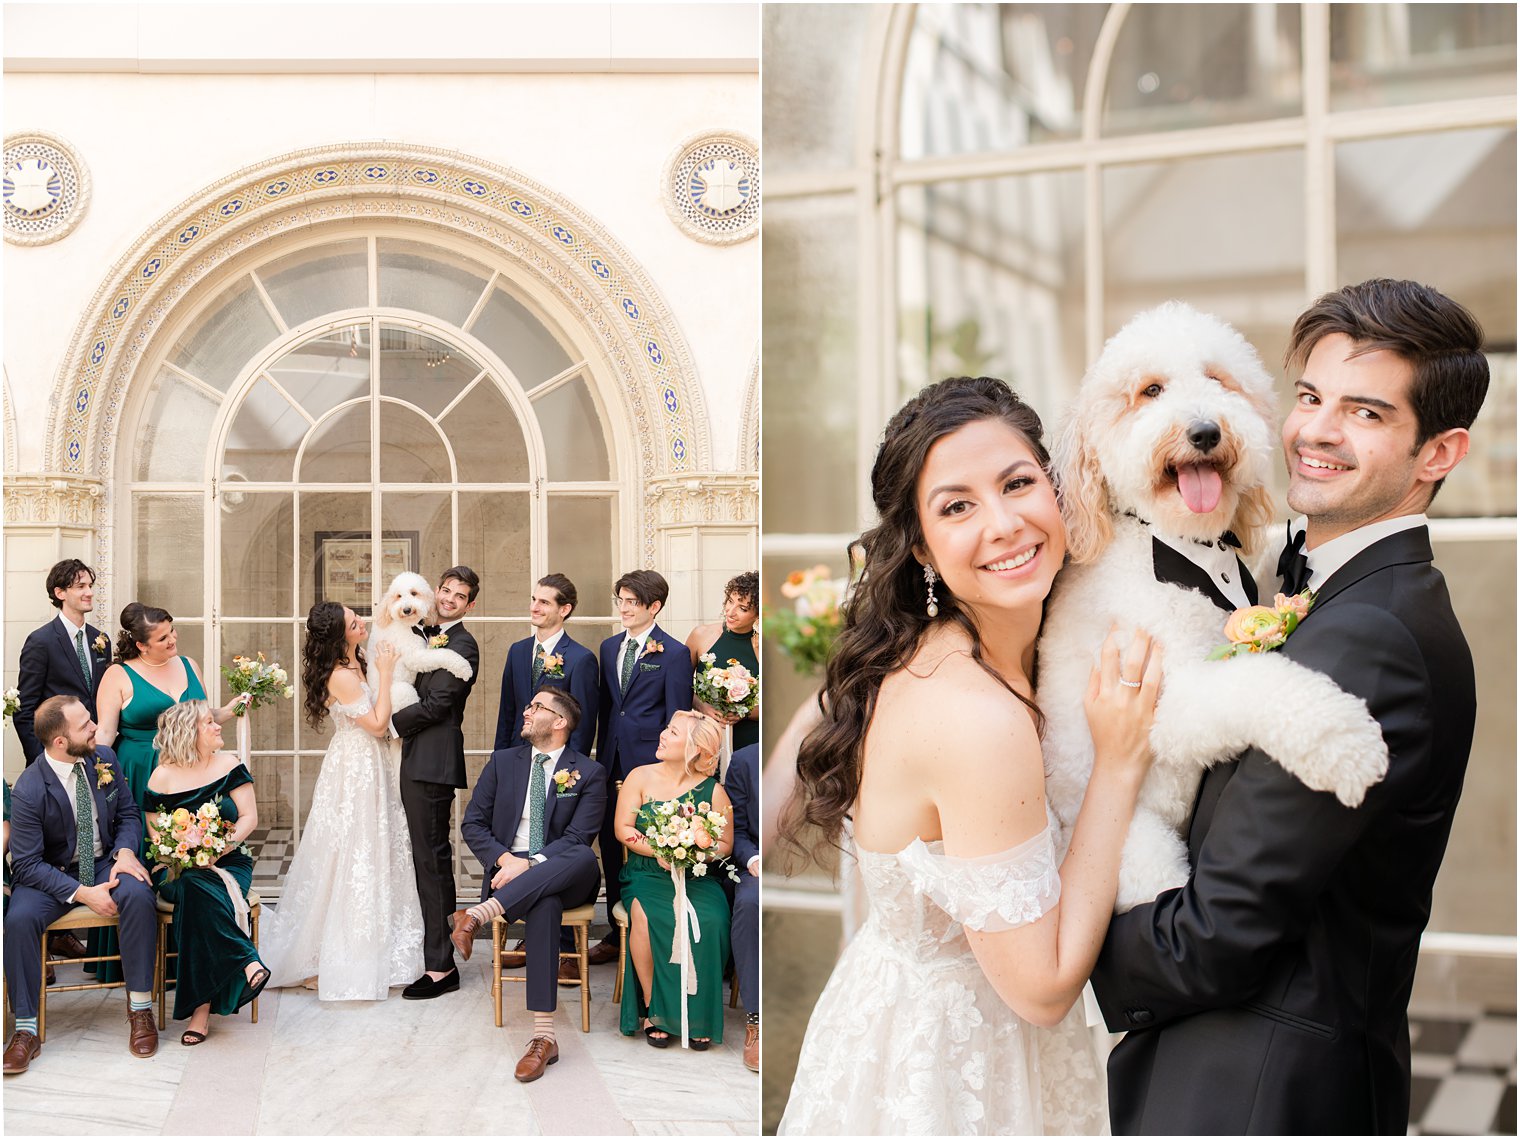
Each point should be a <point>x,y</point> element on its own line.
<point>620,919</point>
<point>80,918</point>
<point>579,919</point>
<point>161,979</point>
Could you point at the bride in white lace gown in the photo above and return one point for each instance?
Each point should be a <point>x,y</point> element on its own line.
<point>348,912</point>
<point>956,1010</point>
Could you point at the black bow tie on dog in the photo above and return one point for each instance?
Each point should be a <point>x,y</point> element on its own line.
<point>427,630</point>
<point>1293,565</point>
<point>1227,539</point>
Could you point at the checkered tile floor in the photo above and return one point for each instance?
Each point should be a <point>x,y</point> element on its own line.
<point>1463,1071</point>
<point>275,847</point>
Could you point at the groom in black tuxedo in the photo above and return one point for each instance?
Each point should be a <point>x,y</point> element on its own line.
<point>67,656</point>
<point>531,822</point>
<point>1269,995</point>
<point>432,766</point>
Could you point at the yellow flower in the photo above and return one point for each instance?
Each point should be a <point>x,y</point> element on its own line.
<point>103,774</point>
<point>1254,626</point>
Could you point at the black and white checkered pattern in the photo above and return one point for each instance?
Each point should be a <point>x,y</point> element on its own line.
<point>1462,1066</point>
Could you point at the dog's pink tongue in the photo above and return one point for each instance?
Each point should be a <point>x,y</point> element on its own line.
<point>1200,487</point>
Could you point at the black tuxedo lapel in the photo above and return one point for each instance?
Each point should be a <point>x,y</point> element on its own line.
<point>1407,547</point>
<point>1175,569</point>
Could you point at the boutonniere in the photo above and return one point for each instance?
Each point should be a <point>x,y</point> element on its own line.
<point>652,646</point>
<point>102,643</point>
<point>104,776</point>
<point>438,641</point>
<point>565,780</point>
<point>554,665</point>
<point>1262,628</point>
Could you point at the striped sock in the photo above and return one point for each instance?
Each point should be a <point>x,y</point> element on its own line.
<point>487,912</point>
<point>139,1001</point>
<point>26,1024</point>
<point>543,1025</point>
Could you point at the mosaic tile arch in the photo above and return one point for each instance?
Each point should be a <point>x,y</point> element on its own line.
<point>540,232</point>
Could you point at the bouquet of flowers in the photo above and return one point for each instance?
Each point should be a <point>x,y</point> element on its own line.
<point>806,632</point>
<point>732,689</point>
<point>184,838</point>
<point>686,834</point>
<point>12,703</point>
<point>262,680</point>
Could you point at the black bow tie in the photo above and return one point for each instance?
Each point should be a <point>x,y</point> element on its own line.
<point>1293,565</point>
<point>427,630</point>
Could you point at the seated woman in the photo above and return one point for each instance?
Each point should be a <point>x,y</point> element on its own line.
<point>219,967</point>
<point>687,756</point>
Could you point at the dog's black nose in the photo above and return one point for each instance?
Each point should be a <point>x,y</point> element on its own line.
<point>1204,435</point>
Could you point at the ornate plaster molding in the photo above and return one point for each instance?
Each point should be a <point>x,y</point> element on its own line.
<point>49,500</point>
<point>47,188</point>
<point>711,187</point>
<point>749,423</point>
<point>706,499</point>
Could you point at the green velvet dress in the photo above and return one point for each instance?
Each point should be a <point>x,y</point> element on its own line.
<point>212,950</point>
<point>651,887</point>
<point>740,647</point>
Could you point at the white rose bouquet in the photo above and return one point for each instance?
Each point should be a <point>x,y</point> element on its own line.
<point>733,690</point>
<point>263,681</point>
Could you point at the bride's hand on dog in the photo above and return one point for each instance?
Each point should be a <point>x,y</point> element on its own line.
<point>385,658</point>
<point>1120,714</point>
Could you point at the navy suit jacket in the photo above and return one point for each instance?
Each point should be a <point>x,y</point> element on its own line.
<point>630,723</point>
<point>44,833</point>
<point>495,812</point>
<point>579,680</point>
<point>50,667</point>
<point>740,785</point>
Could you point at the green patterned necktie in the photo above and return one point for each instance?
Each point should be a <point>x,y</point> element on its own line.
<point>538,661</point>
<point>84,657</point>
<point>84,811</point>
<point>537,791</point>
<point>630,654</point>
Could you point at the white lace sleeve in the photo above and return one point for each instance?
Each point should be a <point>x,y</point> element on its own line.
<point>994,891</point>
<point>362,707</point>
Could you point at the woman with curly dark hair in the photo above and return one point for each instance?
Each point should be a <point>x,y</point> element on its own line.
<point>349,923</point>
<point>735,638</point>
<point>951,1010</point>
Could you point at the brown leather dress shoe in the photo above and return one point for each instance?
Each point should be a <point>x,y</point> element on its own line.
<point>463,936</point>
<point>65,944</point>
<point>21,1051</point>
<point>752,1047</point>
<point>516,957</point>
<point>603,952</point>
<point>142,1039</point>
<point>569,971</point>
<point>540,1054</point>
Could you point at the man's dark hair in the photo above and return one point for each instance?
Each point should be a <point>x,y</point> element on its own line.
<point>565,706</point>
<point>746,587</point>
<point>464,574</point>
<point>647,587</point>
<point>50,720</point>
<point>1440,340</point>
<point>563,588</point>
<point>62,576</point>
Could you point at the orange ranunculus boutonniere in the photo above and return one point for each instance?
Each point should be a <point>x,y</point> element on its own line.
<point>652,646</point>
<point>1262,628</point>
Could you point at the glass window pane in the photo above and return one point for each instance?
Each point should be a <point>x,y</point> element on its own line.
<point>487,437</point>
<point>495,540</point>
<point>810,269</point>
<point>327,519</point>
<point>257,560</point>
<point>582,537</point>
<point>520,339</point>
<point>261,446</point>
<point>1383,54</point>
<point>995,76</point>
<point>337,450</point>
<point>410,447</point>
<point>572,428</point>
<point>326,370</point>
<point>813,56</point>
<point>314,282</point>
<point>167,533</point>
<point>990,283</point>
<point>178,421</point>
<point>192,642</point>
<point>225,337</point>
<point>1177,66</point>
<point>1440,208</point>
<point>427,521</point>
<point>493,639</point>
<point>273,726</point>
<point>421,370</point>
<point>425,279</point>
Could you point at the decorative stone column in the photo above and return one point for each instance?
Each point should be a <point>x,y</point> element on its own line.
<point>707,524</point>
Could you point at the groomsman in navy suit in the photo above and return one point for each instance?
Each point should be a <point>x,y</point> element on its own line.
<point>67,656</point>
<point>740,783</point>
<point>531,820</point>
<point>550,656</point>
<point>75,832</point>
<point>646,679</point>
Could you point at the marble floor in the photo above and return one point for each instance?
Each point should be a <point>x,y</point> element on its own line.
<point>393,1068</point>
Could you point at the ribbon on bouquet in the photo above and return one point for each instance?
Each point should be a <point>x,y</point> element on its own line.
<point>239,903</point>
<point>680,947</point>
<point>244,743</point>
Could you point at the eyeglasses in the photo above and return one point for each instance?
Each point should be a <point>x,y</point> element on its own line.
<point>625,602</point>
<point>534,705</point>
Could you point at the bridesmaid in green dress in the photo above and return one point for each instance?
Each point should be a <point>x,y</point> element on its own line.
<point>219,967</point>
<point>733,638</point>
<point>687,754</point>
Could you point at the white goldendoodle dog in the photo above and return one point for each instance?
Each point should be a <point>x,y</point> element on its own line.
<point>1171,437</point>
<point>408,602</point>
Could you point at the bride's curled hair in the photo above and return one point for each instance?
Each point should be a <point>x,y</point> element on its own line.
<point>325,646</point>
<point>885,616</point>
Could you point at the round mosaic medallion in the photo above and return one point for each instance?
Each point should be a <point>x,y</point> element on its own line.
<point>46,188</point>
<point>712,187</point>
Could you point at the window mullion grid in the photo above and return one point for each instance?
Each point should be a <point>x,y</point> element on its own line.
<point>1319,154</point>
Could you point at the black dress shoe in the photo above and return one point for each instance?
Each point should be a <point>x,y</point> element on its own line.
<point>424,988</point>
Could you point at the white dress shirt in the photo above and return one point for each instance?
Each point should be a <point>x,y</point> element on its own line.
<point>1327,557</point>
<point>1215,559</point>
<point>520,840</point>
<point>548,644</point>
